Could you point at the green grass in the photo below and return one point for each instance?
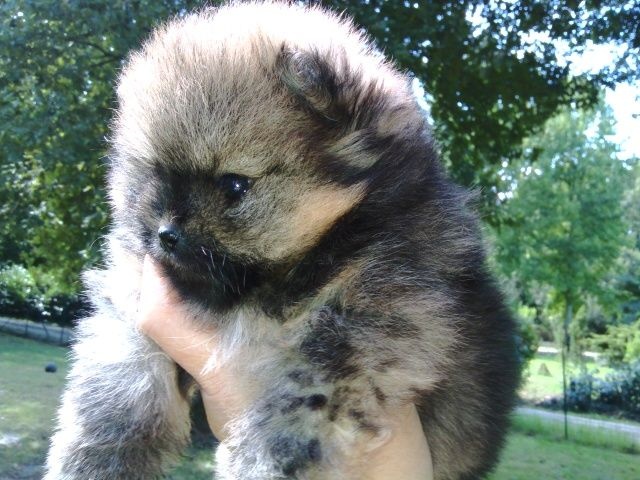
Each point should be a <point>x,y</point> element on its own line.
<point>539,458</point>
<point>578,434</point>
<point>537,386</point>
<point>29,399</point>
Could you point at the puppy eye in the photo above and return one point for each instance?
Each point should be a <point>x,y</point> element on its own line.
<point>234,186</point>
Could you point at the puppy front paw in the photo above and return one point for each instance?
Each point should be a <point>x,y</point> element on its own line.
<point>313,430</point>
<point>280,438</point>
<point>292,453</point>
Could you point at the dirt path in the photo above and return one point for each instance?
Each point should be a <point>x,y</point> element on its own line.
<point>632,431</point>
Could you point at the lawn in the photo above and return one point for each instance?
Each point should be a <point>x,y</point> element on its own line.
<point>538,458</point>
<point>28,401</point>
<point>29,398</point>
<point>543,377</point>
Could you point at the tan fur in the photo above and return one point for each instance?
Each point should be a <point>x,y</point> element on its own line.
<point>317,211</point>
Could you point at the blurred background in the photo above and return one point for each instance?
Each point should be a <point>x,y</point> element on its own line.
<point>534,103</point>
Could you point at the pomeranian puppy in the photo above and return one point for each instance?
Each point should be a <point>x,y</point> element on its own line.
<point>280,171</point>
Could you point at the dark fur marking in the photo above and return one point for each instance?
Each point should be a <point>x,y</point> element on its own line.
<point>328,347</point>
<point>380,396</point>
<point>368,426</point>
<point>356,414</point>
<point>314,450</point>
<point>361,420</point>
<point>391,326</point>
<point>293,454</point>
<point>185,383</point>
<point>292,404</point>
<point>334,408</point>
<point>301,377</point>
<point>315,402</point>
<point>385,364</point>
<point>284,450</point>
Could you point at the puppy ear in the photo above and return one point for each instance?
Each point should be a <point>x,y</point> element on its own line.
<point>365,114</point>
<point>323,84</point>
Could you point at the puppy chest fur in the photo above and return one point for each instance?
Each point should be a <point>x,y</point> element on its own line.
<point>279,169</point>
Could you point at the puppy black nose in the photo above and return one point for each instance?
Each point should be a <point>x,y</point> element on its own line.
<point>169,237</point>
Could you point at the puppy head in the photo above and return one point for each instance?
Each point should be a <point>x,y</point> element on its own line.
<point>244,134</point>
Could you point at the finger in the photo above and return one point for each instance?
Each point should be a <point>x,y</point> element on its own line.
<point>162,317</point>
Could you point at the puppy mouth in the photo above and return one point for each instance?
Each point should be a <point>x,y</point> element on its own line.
<point>224,270</point>
<point>201,266</point>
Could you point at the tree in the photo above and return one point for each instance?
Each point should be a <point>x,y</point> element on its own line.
<point>490,84</point>
<point>566,225</point>
<point>628,282</point>
<point>566,219</point>
<point>58,61</point>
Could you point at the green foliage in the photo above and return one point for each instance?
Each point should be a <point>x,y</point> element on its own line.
<point>490,86</point>
<point>528,340</point>
<point>527,336</point>
<point>620,344</point>
<point>632,352</point>
<point>627,282</point>
<point>563,216</point>
<point>20,291</point>
<point>618,392</point>
<point>58,61</point>
<point>36,294</point>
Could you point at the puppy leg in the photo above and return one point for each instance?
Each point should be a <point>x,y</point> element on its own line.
<point>320,412</point>
<point>316,431</point>
<point>122,415</point>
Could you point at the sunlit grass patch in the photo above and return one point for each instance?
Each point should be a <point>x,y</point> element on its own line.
<point>543,376</point>
<point>29,398</point>
<point>540,458</point>
<point>578,434</point>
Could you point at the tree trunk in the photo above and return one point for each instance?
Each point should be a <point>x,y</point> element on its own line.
<point>568,315</point>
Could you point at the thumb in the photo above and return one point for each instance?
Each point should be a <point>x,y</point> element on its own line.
<point>167,322</point>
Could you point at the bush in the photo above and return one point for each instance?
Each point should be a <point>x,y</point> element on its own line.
<point>20,295</point>
<point>64,309</point>
<point>27,293</point>
<point>618,392</point>
<point>527,340</point>
<point>620,344</point>
<point>580,393</point>
<point>632,352</point>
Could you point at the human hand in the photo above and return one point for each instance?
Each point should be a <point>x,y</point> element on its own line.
<point>162,317</point>
<point>405,455</point>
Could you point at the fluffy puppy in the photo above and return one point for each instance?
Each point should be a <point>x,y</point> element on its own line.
<point>281,172</point>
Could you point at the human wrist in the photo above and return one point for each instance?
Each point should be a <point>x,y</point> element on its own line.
<point>405,455</point>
